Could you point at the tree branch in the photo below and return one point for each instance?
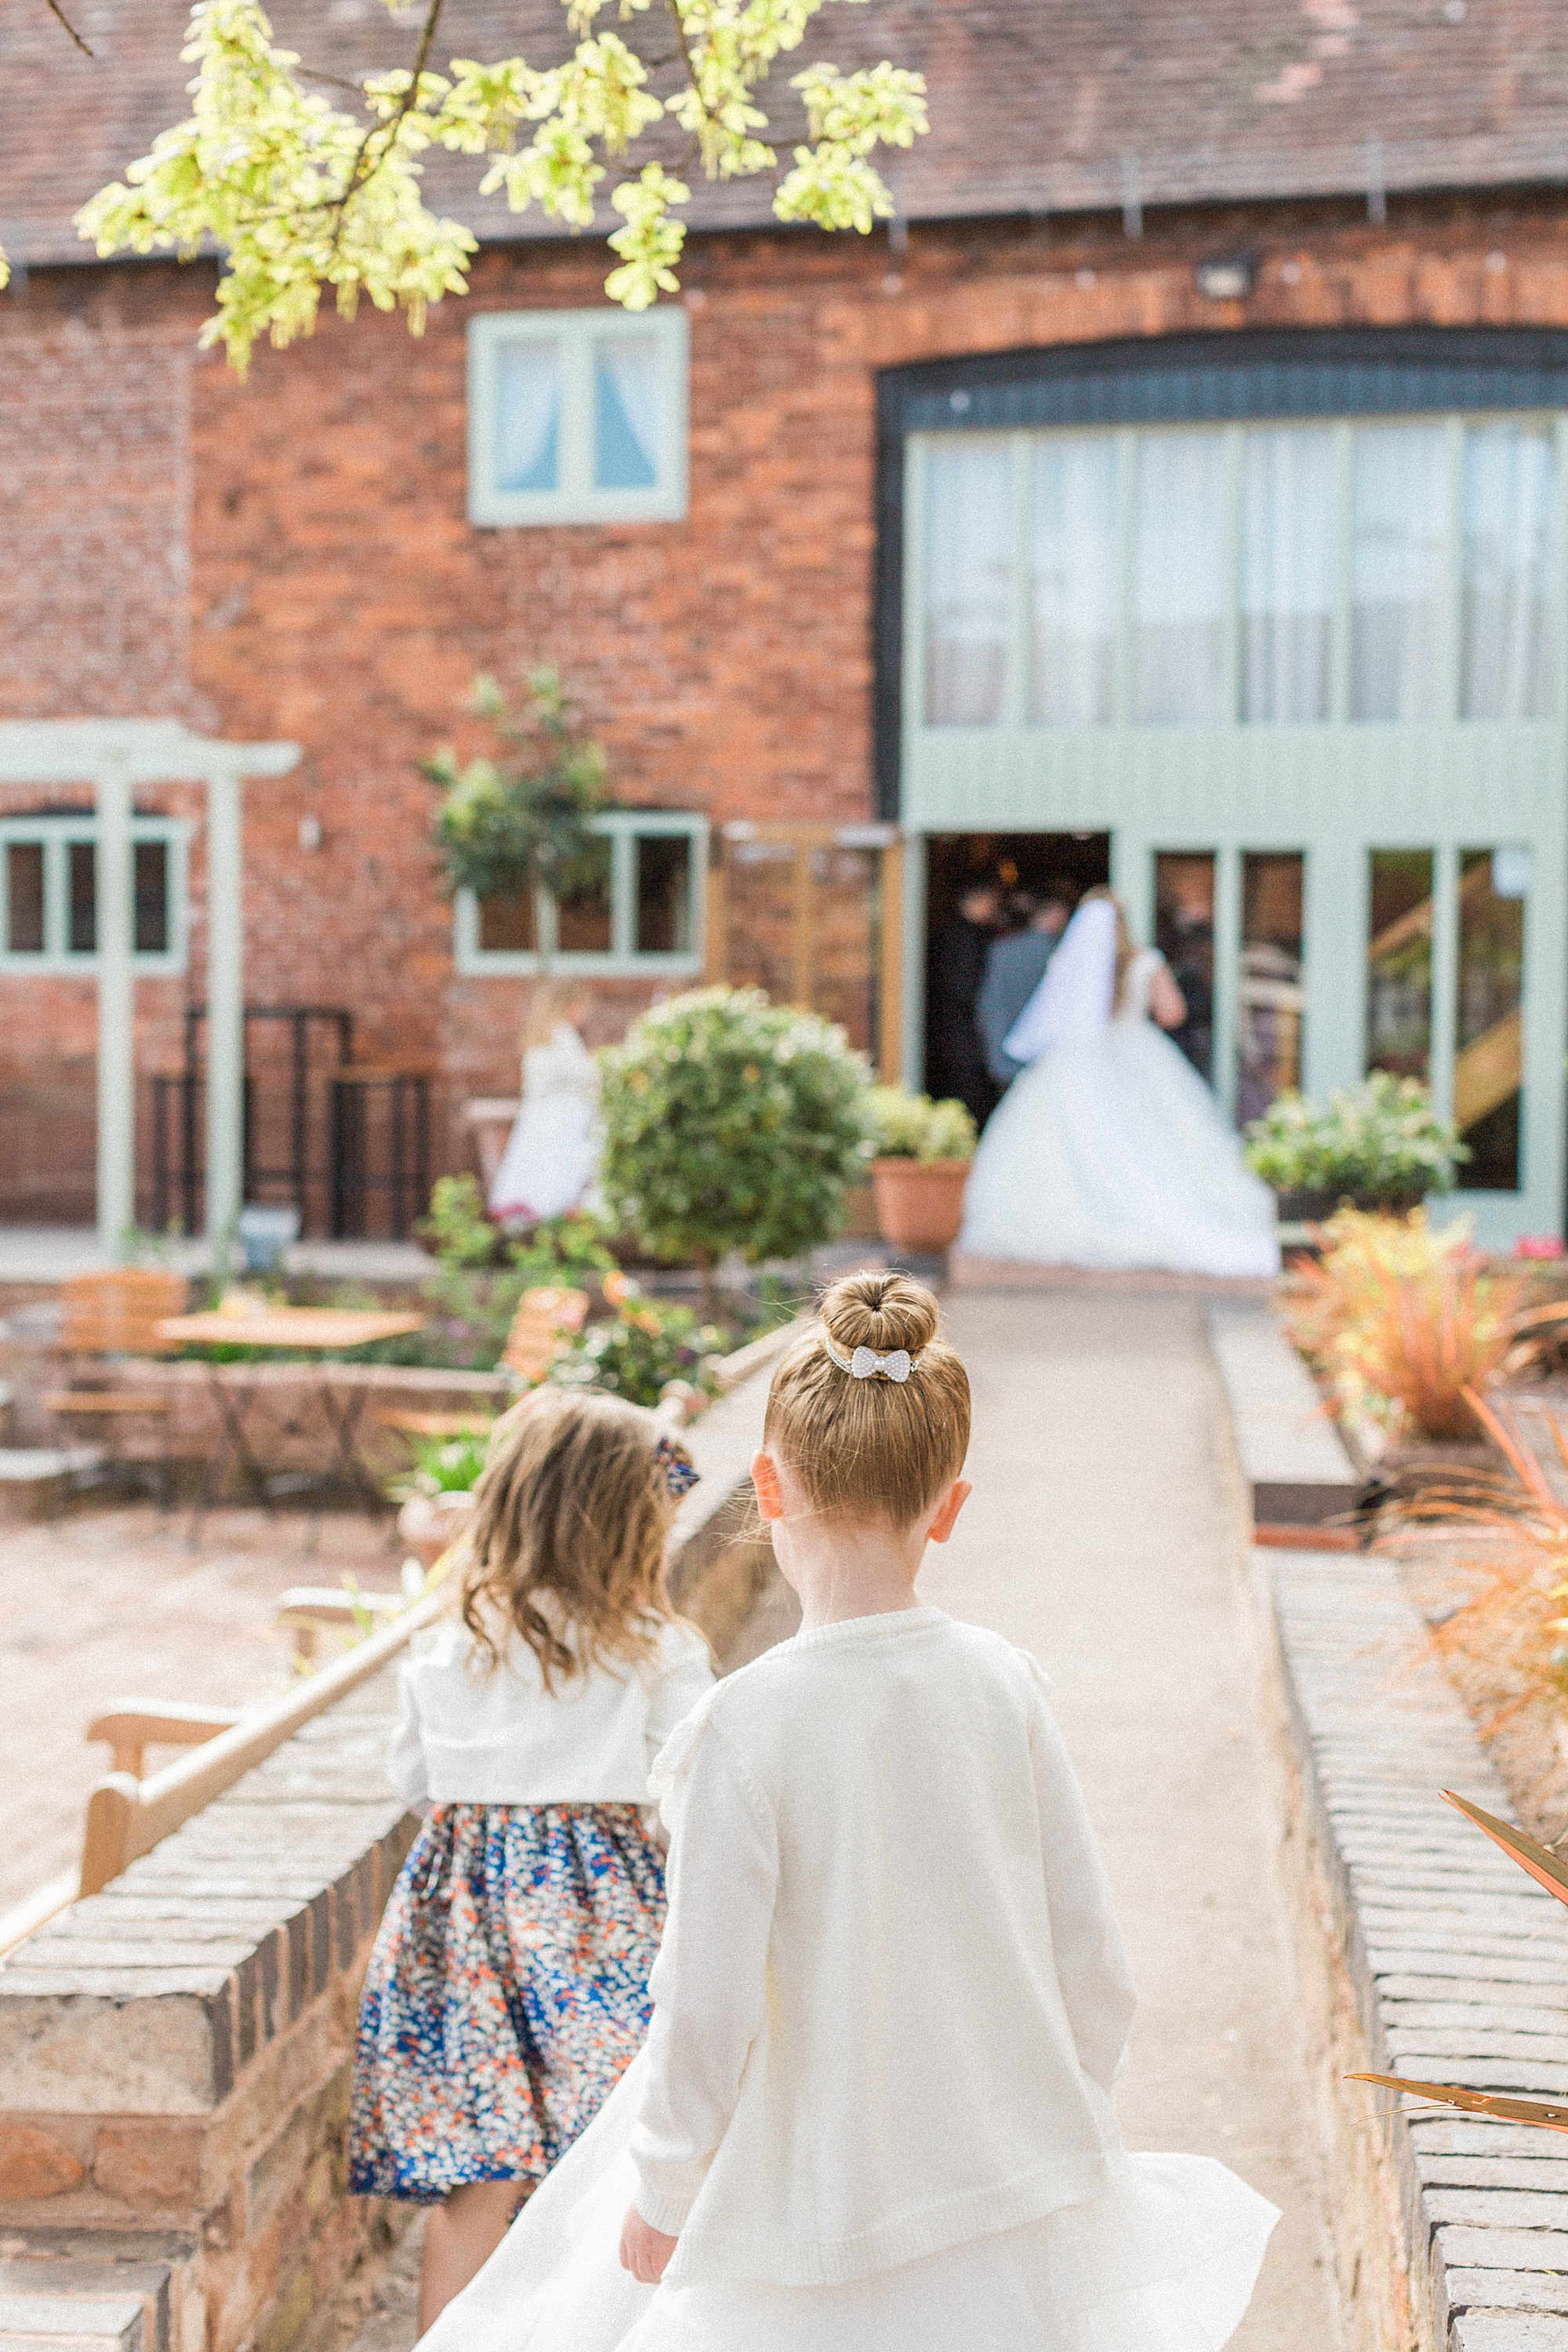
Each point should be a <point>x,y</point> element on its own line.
<point>57,11</point>
<point>361,176</point>
<point>333,81</point>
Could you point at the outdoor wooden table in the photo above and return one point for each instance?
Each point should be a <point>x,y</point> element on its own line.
<point>310,1330</point>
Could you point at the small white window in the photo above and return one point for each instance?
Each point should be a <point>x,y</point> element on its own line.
<point>49,894</point>
<point>640,911</point>
<point>577,416</point>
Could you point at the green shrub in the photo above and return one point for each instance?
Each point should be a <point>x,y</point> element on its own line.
<point>902,1126</point>
<point>1366,1143</point>
<point>730,1123</point>
<point>449,1465</point>
<point>480,1276</point>
<point>644,1346</point>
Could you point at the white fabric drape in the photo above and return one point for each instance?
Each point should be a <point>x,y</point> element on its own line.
<point>1074,584</point>
<point>1396,573</point>
<point>528,409</point>
<point>1074,998</point>
<point>1510,507</point>
<point>626,402</point>
<point>1288,574</point>
<point>1179,593</point>
<point>969,581</point>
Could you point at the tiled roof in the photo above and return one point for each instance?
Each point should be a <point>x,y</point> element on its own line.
<point>1036,105</point>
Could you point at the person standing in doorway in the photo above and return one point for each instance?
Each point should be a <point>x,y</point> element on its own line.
<point>957,965</point>
<point>1015,967</point>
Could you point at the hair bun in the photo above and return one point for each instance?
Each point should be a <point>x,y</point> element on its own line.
<point>883,1311</point>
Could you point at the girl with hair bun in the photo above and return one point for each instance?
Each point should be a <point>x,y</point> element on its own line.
<point>874,2110</point>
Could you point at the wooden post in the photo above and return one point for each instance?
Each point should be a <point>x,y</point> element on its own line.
<point>715,935</point>
<point>801,926</point>
<point>890,963</point>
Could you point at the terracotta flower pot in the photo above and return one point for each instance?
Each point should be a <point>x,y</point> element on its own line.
<point>919,1203</point>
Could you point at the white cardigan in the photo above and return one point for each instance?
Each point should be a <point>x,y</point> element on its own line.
<point>467,1734</point>
<point>892,1995</point>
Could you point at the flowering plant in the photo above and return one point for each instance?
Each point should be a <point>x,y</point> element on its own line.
<point>902,1126</point>
<point>646,1345</point>
<point>1366,1142</point>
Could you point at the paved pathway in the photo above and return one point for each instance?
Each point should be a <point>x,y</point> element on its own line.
<point>1106,1534</point>
<point>100,1604</point>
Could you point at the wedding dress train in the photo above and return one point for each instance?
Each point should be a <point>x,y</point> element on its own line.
<point>1109,1149</point>
<point>1165,2260</point>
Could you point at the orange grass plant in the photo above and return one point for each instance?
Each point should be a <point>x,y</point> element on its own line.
<point>1546,2114</point>
<point>1403,1321</point>
<point>1507,1534</point>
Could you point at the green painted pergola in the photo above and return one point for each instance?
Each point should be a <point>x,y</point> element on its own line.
<point>116,756</point>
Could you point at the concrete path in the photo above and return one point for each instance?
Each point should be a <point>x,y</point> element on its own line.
<point>1106,1535</point>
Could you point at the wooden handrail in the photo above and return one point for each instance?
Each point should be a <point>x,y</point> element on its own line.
<point>126,1817</point>
<point>132,1725</point>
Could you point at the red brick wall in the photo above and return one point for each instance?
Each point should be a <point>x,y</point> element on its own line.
<point>338,595</point>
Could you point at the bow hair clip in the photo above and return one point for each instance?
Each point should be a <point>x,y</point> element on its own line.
<point>680,1473</point>
<point>896,1365</point>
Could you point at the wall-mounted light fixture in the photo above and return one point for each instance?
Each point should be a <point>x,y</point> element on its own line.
<point>1226,278</point>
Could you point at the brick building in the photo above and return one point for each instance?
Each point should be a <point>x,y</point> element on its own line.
<point>1177,491</point>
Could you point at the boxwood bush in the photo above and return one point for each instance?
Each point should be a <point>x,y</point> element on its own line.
<point>730,1124</point>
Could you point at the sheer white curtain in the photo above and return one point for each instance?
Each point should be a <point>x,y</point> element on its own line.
<point>1510,510</point>
<point>1074,587</point>
<point>626,406</point>
<point>1396,573</point>
<point>1179,581</point>
<point>968,580</point>
<point>1287,572</point>
<point>527,411</point>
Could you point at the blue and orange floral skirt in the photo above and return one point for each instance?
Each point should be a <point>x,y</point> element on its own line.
<point>506,1993</point>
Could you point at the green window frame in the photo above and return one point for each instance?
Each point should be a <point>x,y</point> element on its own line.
<point>634,840</point>
<point>59,850</point>
<point>565,362</point>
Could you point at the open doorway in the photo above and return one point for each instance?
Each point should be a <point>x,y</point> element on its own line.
<point>983,886</point>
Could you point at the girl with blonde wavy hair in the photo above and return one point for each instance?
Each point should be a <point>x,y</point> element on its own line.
<point>508,1987</point>
<point>874,2112</point>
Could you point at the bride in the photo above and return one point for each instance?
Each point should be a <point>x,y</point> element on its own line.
<point>1109,1149</point>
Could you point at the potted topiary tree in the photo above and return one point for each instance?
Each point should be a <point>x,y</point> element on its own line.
<point>920,1165</point>
<point>730,1124</point>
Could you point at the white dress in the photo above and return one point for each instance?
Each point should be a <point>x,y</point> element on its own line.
<point>779,1874</point>
<point>552,1152</point>
<point>1109,1149</point>
<point>1165,2261</point>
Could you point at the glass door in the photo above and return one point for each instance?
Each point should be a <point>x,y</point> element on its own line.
<point>1437,987</point>
<point>1446,994</point>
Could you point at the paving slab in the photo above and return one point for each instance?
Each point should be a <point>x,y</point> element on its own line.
<point>1107,1533</point>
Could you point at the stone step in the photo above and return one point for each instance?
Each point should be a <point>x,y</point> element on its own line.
<point>54,2305</point>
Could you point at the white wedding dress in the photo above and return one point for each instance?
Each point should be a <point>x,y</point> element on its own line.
<point>552,1152</point>
<point>1165,2260</point>
<point>1109,1149</point>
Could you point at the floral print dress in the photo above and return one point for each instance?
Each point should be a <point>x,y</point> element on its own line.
<point>506,1994</point>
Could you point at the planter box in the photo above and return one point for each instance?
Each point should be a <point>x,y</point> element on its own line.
<point>1314,1204</point>
<point>919,1203</point>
